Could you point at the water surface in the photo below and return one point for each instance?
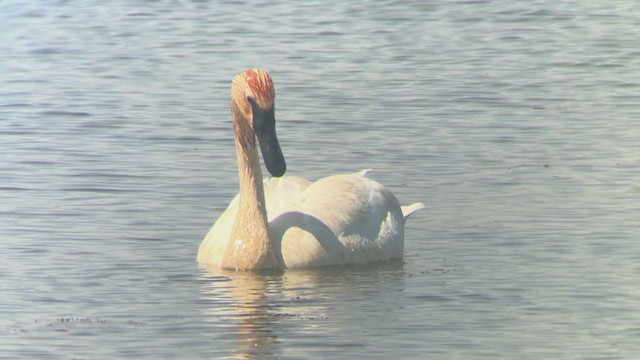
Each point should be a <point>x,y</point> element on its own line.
<point>516,123</point>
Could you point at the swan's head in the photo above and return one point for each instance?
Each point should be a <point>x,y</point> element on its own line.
<point>253,96</point>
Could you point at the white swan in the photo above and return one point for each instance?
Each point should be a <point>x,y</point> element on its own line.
<point>289,222</point>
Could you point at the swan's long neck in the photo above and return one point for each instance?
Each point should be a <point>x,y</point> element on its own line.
<point>249,246</point>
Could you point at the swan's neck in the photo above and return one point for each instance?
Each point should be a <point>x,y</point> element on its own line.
<point>249,245</point>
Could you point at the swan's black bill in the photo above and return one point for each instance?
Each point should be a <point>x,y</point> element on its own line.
<point>264,125</point>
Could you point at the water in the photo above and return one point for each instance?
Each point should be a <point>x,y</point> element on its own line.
<point>516,123</point>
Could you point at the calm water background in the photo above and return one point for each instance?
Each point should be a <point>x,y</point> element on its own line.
<point>517,123</point>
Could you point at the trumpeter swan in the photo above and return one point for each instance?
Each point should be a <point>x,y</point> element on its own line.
<point>288,221</point>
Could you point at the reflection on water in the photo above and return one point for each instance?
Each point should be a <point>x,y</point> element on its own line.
<point>254,307</point>
<point>246,312</point>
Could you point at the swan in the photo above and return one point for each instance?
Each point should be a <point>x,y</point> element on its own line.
<point>288,221</point>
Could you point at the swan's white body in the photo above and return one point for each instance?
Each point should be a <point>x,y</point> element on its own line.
<point>340,219</point>
<point>290,222</point>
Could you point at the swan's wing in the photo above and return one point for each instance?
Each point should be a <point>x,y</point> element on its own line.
<point>344,219</point>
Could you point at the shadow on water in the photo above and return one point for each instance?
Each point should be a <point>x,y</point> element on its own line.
<point>254,307</point>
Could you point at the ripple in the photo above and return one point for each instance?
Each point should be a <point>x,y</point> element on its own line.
<point>64,113</point>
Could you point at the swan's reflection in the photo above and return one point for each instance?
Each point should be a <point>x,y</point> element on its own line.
<point>239,300</point>
<point>253,306</point>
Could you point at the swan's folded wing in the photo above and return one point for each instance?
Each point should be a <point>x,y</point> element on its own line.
<point>364,219</point>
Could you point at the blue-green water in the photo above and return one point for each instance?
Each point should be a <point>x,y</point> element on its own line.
<point>515,122</point>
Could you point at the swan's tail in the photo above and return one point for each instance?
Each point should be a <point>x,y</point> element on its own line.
<point>410,209</point>
<point>363,173</point>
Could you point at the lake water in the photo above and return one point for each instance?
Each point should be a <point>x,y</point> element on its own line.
<point>516,123</point>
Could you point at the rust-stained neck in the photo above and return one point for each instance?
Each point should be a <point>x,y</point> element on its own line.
<point>249,247</point>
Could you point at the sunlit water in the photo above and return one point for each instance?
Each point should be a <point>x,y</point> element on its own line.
<point>516,123</point>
